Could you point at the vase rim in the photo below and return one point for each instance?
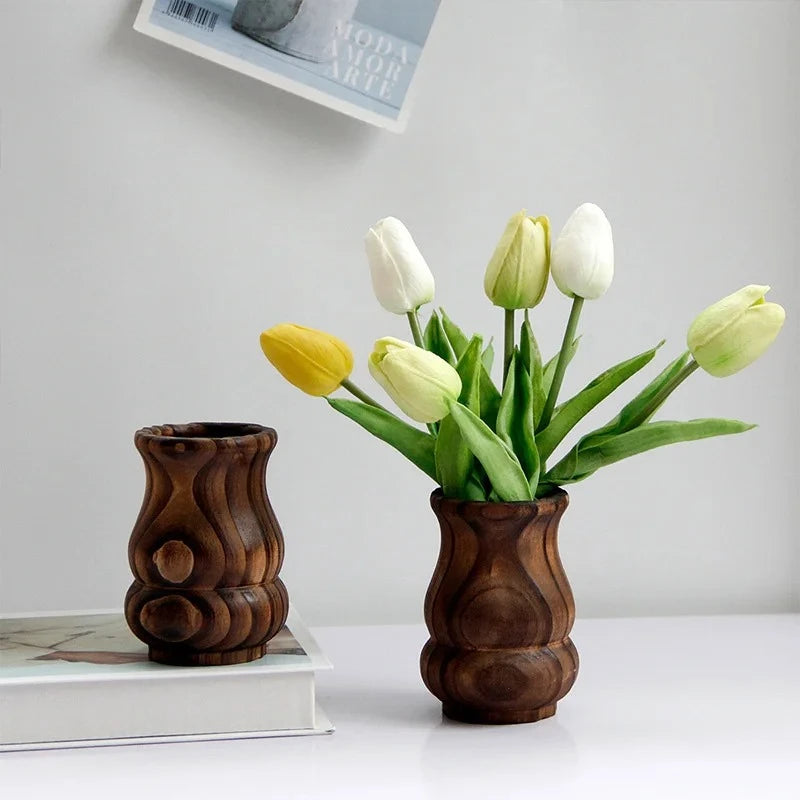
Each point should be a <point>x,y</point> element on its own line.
<point>555,496</point>
<point>206,431</point>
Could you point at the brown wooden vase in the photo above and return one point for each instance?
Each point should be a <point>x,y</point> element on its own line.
<point>499,610</point>
<point>206,549</point>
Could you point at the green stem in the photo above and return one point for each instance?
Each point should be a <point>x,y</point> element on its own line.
<point>508,342</point>
<point>658,399</point>
<point>416,331</point>
<point>561,365</point>
<point>360,394</point>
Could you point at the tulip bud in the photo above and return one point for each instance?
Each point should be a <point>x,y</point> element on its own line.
<point>312,360</point>
<point>582,261</point>
<point>735,331</point>
<point>419,382</point>
<point>516,276</point>
<point>401,278</point>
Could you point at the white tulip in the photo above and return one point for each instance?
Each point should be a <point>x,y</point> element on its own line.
<point>421,383</point>
<point>401,278</point>
<point>582,259</point>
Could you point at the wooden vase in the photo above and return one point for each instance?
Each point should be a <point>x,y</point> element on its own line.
<point>206,549</point>
<point>499,610</point>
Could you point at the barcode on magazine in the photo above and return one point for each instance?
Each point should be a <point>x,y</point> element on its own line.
<point>193,14</point>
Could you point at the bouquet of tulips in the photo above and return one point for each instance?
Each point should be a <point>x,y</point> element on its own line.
<point>492,442</point>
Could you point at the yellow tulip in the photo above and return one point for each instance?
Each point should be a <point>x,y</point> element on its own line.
<point>311,360</point>
<point>735,331</point>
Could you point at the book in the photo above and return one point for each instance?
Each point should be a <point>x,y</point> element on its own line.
<point>81,680</point>
<point>359,57</point>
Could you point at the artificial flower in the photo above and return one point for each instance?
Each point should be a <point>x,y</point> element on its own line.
<point>401,278</point>
<point>312,360</point>
<point>735,331</point>
<point>582,261</point>
<point>516,276</point>
<point>419,382</point>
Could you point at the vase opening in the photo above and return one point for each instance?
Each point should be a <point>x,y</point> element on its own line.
<point>207,430</point>
<point>558,498</point>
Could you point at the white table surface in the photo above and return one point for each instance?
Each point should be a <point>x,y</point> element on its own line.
<point>677,707</point>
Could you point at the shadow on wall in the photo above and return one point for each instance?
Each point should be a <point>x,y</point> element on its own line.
<point>266,109</point>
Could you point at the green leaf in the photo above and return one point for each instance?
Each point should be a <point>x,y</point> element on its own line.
<point>624,421</point>
<point>459,341</point>
<point>549,369</point>
<point>577,407</point>
<point>515,418</point>
<point>474,490</point>
<point>501,465</point>
<point>454,459</point>
<point>487,357</point>
<point>544,489</point>
<point>414,444</point>
<point>490,396</point>
<point>436,341</point>
<point>576,466</point>
<point>490,399</point>
<point>532,361</point>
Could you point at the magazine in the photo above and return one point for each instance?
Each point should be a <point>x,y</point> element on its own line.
<point>359,57</point>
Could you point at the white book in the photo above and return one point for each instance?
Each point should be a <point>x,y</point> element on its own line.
<point>83,679</point>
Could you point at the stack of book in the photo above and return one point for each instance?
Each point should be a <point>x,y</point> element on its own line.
<point>81,680</point>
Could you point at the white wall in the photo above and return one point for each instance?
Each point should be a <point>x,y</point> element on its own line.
<point>159,211</point>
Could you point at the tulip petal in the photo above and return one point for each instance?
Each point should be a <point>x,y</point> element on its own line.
<point>738,343</point>
<point>711,322</point>
<point>582,259</point>
<point>518,271</point>
<point>401,278</point>
<point>312,360</point>
<point>420,382</point>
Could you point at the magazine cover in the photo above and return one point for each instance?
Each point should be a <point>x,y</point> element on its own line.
<point>88,645</point>
<point>359,57</point>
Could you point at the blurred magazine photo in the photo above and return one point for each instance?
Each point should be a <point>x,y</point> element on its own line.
<point>359,57</point>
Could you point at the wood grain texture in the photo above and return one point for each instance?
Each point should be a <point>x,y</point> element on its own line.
<point>206,548</point>
<point>499,610</point>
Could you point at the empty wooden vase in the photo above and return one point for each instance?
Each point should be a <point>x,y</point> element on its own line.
<point>499,610</point>
<point>206,549</point>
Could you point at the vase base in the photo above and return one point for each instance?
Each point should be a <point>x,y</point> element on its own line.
<point>181,658</point>
<point>477,716</point>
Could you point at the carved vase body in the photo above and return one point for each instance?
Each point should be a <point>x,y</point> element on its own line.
<point>206,549</point>
<point>499,610</point>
